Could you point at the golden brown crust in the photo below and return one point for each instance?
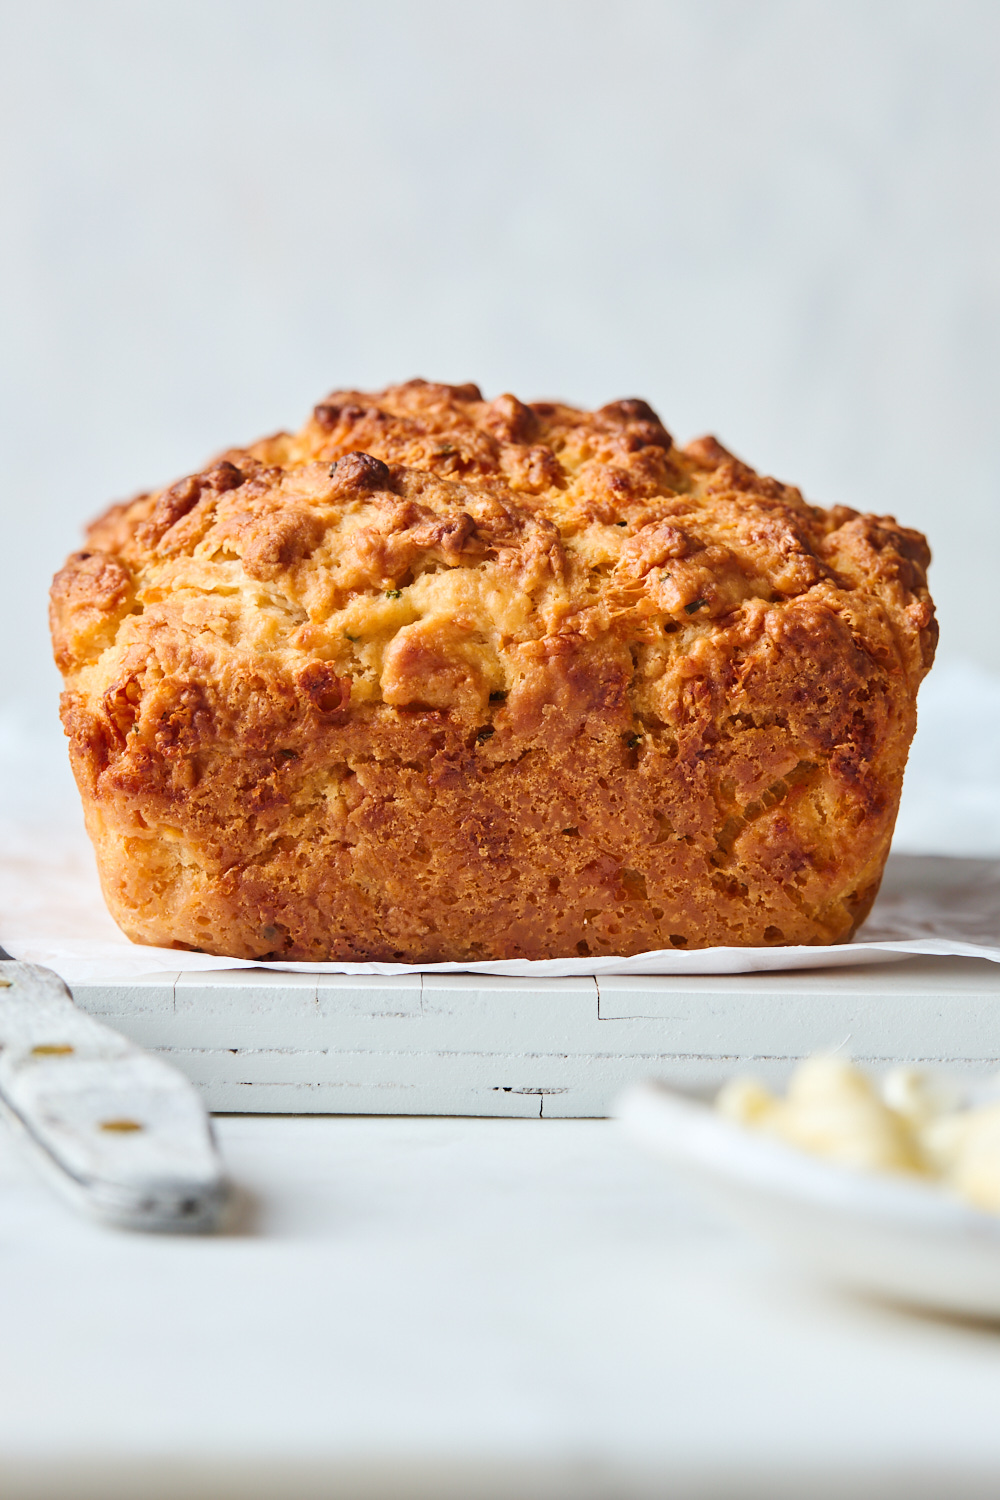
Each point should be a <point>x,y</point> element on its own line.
<point>440,678</point>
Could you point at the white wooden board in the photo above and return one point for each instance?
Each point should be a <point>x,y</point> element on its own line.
<point>259,1041</point>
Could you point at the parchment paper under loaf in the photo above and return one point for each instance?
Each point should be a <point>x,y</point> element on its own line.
<point>52,913</point>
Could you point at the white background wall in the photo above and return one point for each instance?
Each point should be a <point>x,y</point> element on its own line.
<point>775,219</point>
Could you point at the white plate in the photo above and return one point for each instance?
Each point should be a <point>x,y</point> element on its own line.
<point>874,1232</point>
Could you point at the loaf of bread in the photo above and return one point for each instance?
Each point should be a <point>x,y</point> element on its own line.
<point>441,678</point>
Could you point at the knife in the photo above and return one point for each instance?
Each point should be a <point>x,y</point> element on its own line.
<point>117,1131</point>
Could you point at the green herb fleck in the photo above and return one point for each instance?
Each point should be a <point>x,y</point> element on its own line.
<point>694,606</point>
<point>394,593</point>
<point>633,740</point>
<point>351,637</point>
<point>486,733</point>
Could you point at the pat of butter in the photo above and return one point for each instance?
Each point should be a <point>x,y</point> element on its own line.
<point>909,1124</point>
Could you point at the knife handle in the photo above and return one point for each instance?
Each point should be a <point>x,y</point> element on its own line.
<point>118,1132</point>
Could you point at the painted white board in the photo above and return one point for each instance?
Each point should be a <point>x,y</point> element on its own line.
<point>259,1041</point>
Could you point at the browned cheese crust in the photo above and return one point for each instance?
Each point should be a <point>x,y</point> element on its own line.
<point>438,678</point>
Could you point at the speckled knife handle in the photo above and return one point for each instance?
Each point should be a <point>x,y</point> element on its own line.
<point>120,1133</point>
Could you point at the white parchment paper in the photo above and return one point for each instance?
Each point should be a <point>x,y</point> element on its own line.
<point>52,913</point>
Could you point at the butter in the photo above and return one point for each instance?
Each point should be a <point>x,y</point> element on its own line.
<point>909,1123</point>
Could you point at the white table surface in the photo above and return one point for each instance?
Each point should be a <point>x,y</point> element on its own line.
<point>453,1308</point>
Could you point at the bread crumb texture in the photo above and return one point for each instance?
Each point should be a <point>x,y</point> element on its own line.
<point>440,678</point>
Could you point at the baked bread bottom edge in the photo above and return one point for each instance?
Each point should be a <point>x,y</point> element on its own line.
<point>405,840</point>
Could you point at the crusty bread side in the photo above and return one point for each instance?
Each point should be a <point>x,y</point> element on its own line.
<point>445,679</point>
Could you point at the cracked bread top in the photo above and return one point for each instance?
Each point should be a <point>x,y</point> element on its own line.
<point>424,547</point>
